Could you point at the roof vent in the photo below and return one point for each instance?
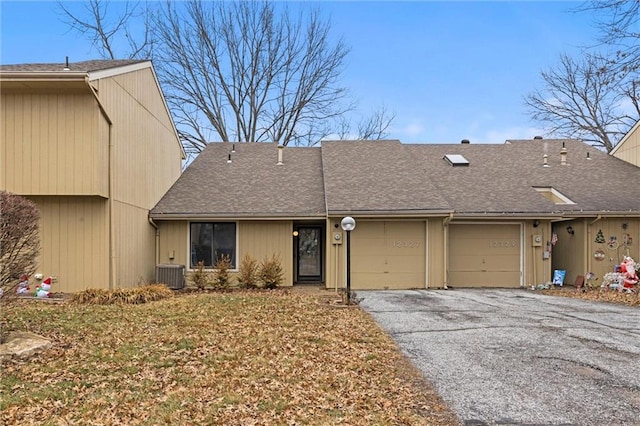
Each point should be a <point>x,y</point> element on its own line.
<point>537,137</point>
<point>66,64</point>
<point>456,160</point>
<point>465,141</point>
<point>280,149</point>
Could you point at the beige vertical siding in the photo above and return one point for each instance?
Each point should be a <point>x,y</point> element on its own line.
<point>50,144</point>
<point>262,239</point>
<point>74,242</point>
<point>611,227</point>
<point>146,161</point>
<point>135,242</point>
<point>174,238</point>
<point>435,253</point>
<point>629,150</point>
<point>335,255</point>
<point>569,251</point>
<point>537,269</point>
<point>259,239</point>
<point>146,154</point>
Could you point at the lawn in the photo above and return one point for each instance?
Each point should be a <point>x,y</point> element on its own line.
<point>240,358</point>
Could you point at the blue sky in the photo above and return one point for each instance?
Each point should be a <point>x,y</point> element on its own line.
<point>449,70</point>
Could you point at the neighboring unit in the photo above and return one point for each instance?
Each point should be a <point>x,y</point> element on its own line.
<point>94,145</point>
<point>427,215</point>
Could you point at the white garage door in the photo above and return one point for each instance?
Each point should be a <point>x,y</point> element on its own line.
<point>388,254</point>
<point>484,255</point>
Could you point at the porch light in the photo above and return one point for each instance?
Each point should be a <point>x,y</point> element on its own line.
<point>348,224</point>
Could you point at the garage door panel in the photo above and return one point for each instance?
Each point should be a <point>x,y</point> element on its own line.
<point>388,255</point>
<point>501,279</point>
<point>484,255</point>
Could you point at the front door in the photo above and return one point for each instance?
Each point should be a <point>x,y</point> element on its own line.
<point>309,254</point>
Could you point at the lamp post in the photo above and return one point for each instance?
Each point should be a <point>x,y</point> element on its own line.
<point>348,224</point>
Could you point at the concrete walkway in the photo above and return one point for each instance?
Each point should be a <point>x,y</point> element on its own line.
<point>518,357</point>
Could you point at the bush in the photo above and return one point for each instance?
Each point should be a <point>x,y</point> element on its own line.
<point>271,272</point>
<point>222,278</point>
<point>200,277</point>
<point>248,272</point>
<point>124,296</point>
<point>19,240</point>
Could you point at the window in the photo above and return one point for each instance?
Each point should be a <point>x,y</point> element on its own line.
<point>212,240</point>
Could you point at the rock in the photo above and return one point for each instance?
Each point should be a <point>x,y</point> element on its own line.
<point>23,345</point>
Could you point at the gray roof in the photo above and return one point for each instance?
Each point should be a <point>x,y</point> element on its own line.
<point>84,66</point>
<point>252,185</point>
<point>389,178</point>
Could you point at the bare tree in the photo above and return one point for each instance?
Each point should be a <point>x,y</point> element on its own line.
<point>105,33</point>
<point>19,239</point>
<point>241,71</point>
<point>618,22</point>
<point>597,96</point>
<point>583,99</point>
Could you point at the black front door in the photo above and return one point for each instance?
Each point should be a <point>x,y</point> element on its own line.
<point>309,254</point>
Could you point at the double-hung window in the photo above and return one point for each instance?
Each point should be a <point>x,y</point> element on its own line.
<point>210,241</point>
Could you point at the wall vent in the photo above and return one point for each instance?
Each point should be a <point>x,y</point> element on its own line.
<point>171,275</point>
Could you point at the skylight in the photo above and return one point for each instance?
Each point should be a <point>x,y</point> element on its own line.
<point>553,195</point>
<point>456,160</point>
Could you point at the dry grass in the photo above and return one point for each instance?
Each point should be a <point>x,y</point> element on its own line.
<point>239,358</point>
<point>597,295</point>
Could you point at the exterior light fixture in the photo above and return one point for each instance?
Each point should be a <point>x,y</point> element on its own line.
<point>348,224</point>
<point>570,230</point>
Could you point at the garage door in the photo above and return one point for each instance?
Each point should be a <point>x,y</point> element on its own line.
<point>388,255</point>
<point>484,255</point>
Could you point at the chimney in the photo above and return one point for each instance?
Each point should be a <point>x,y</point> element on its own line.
<point>465,141</point>
<point>563,155</point>
<point>280,149</point>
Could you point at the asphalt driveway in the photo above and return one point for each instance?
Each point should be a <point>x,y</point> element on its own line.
<point>518,357</point>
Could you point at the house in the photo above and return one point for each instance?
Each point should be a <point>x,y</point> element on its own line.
<point>427,215</point>
<point>94,146</point>
<point>628,149</point>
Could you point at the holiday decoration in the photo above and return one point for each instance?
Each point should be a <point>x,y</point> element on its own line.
<point>600,237</point>
<point>42,290</point>
<point>23,285</point>
<point>628,271</point>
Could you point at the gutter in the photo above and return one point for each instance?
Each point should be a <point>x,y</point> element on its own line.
<point>155,225</point>
<point>445,258</point>
<point>112,229</point>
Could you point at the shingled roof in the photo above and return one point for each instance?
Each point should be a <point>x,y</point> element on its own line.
<point>252,185</point>
<point>389,178</point>
<point>84,66</point>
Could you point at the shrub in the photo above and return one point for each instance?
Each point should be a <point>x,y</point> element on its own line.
<point>271,272</point>
<point>222,278</point>
<point>128,296</point>
<point>19,240</point>
<point>248,272</point>
<point>200,277</point>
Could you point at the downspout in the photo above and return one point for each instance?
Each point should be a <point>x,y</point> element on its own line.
<point>155,225</point>
<point>112,236</point>
<point>445,263</point>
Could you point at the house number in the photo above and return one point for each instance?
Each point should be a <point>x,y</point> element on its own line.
<point>406,244</point>
<point>503,244</point>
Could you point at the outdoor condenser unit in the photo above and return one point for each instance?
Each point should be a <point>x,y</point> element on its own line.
<point>171,275</point>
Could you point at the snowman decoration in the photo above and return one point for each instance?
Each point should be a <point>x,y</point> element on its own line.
<point>43,290</point>
<point>23,285</point>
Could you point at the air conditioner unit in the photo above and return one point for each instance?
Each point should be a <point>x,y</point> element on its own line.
<point>171,275</point>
